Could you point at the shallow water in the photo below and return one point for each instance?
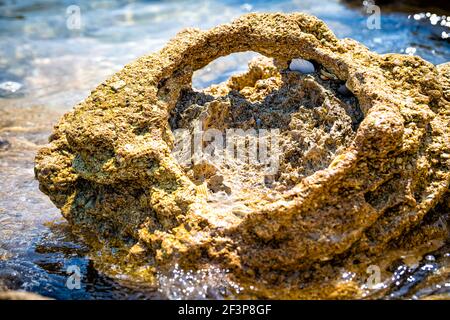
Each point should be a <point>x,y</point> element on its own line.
<point>46,68</point>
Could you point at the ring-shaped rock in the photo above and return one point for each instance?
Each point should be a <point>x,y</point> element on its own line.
<point>109,166</point>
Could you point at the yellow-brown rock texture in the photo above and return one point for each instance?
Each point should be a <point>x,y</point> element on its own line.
<point>363,177</point>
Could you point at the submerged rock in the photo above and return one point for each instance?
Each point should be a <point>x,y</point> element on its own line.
<point>357,179</point>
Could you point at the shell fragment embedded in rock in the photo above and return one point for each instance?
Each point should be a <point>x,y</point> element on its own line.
<point>356,179</point>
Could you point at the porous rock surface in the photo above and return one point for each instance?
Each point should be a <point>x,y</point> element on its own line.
<point>359,176</point>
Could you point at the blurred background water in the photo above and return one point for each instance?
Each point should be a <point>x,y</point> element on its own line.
<point>48,64</point>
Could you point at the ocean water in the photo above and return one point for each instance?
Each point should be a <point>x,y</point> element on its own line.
<point>49,62</point>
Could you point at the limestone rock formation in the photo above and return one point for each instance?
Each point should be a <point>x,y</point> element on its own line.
<point>360,176</point>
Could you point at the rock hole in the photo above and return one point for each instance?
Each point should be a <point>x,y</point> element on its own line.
<point>290,125</point>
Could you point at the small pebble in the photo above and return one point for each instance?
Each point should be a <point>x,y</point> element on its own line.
<point>344,90</point>
<point>302,66</point>
<point>430,258</point>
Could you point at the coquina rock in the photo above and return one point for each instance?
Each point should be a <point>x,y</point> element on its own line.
<point>359,179</point>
